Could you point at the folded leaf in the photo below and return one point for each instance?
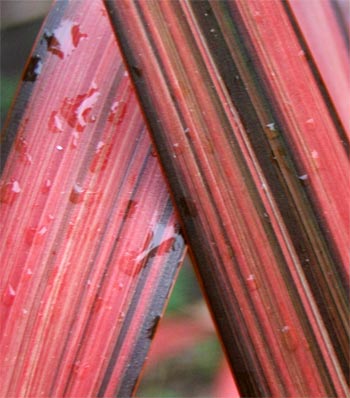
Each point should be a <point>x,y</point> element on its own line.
<point>90,246</point>
<point>256,160</point>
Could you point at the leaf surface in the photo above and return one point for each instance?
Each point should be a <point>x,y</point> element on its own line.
<point>255,156</point>
<point>90,245</point>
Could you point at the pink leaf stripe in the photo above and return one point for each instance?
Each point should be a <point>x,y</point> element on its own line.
<point>90,246</point>
<point>255,155</point>
<point>328,46</point>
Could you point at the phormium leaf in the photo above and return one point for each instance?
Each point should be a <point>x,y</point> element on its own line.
<point>255,156</point>
<point>90,246</point>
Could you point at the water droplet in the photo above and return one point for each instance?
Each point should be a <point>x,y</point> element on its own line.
<point>33,69</point>
<point>314,154</point>
<point>15,187</point>
<point>21,145</point>
<point>77,35</point>
<point>101,157</point>
<point>137,70</point>
<point>24,311</point>
<point>252,282</point>
<point>257,16</point>
<point>75,139</point>
<point>186,130</point>
<point>64,39</point>
<point>303,177</point>
<point>77,194</point>
<point>46,186</point>
<point>8,295</point>
<point>35,235</point>
<point>212,30</point>
<point>117,112</point>
<point>153,152</point>
<point>29,272</point>
<point>310,123</point>
<point>114,106</point>
<point>59,147</point>
<point>70,229</point>
<point>76,111</point>
<point>98,304</point>
<point>188,207</point>
<point>120,285</point>
<point>289,338</point>
<point>271,126</point>
<point>9,192</point>
<point>131,208</point>
<point>55,123</point>
<point>301,53</point>
<point>121,316</point>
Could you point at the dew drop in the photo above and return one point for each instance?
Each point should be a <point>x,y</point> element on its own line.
<point>289,338</point>
<point>55,123</point>
<point>101,157</point>
<point>75,139</point>
<point>252,282</point>
<point>33,69</point>
<point>70,229</point>
<point>59,147</point>
<point>9,295</point>
<point>64,39</point>
<point>117,112</point>
<point>35,236</point>
<point>131,208</point>
<point>77,35</point>
<point>76,111</point>
<point>15,187</point>
<point>100,145</point>
<point>46,186</point>
<point>9,192</point>
<point>303,177</point>
<point>121,316</point>
<point>21,145</point>
<point>77,194</point>
<point>98,304</point>
<point>314,154</point>
<point>271,126</point>
<point>310,123</point>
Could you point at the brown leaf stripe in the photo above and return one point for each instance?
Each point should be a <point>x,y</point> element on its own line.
<point>251,152</point>
<point>90,246</point>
